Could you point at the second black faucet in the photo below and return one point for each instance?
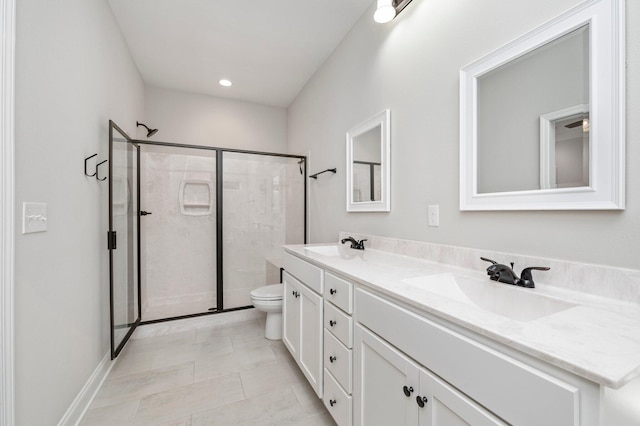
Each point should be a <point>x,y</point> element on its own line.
<point>355,244</point>
<point>504,274</point>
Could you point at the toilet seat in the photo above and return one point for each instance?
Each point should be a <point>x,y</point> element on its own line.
<point>268,292</point>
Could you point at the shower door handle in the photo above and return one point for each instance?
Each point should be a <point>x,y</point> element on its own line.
<point>143,213</point>
<point>111,240</point>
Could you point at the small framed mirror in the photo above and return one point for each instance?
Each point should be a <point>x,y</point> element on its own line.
<point>368,169</point>
<point>542,118</point>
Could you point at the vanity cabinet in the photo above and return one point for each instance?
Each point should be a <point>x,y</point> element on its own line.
<point>302,313</point>
<point>375,359</point>
<point>462,379</point>
<point>392,389</point>
<point>338,344</point>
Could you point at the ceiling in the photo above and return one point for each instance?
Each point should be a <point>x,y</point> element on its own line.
<point>268,49</point>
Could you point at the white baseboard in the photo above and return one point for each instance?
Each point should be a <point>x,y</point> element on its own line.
<point>85,397</point>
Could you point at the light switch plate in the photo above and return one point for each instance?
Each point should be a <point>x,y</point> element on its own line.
<point>34,217</point>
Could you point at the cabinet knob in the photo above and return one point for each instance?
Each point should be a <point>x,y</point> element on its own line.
<point>407,391</point>
<point>333,291</point>
<point>293,293</point>
<point>332,358</point>
<point>333,402</point>
<point>332,323</point>
<point>421,400</point>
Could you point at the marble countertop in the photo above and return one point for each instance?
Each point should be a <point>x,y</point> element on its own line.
<point>594,337</point>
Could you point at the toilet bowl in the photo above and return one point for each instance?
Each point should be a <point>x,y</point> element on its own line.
<point>269,299</point>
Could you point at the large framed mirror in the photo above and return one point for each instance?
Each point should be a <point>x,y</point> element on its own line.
<point>368,168</point>
<point>542,118</point>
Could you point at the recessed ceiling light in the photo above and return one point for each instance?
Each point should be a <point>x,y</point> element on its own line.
<point>224,82</point>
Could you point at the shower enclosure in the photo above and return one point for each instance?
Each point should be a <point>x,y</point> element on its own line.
<point>204,227</point>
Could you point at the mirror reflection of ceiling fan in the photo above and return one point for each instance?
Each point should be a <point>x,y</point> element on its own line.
<point>584,122</point>
<point>574,124</point>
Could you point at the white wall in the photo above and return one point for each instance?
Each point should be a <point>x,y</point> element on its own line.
<point>411,66</point>
<point>73,74</point>
<point>197,119</point>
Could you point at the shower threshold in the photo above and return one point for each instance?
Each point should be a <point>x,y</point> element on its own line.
<point>200,314</point>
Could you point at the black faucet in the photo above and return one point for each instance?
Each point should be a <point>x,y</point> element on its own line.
<point>355,244</point>
<point>504,274</point>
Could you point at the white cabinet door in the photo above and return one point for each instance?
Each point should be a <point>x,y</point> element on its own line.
<point>391,389</point>
<point>302,329</point>
<point>311,348</point>
<point>439,404</point>
<point>291,315</point>
<point>386,383</point>
<point>495,380</point>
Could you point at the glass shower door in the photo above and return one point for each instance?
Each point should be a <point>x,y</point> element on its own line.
<point>123,237</point>
<point>178,241</point>
<point>263,208</point>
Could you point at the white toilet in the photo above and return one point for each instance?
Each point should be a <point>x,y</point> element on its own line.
<point>269,299</point>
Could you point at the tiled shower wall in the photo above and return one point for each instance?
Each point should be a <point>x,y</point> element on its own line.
<point>263,209</point>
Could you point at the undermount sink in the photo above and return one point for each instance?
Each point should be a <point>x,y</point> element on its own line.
<point>329,251</point>
<point>502,299</point>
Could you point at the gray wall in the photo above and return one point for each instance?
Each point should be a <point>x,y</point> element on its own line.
<point>73,74</point>
<point>411,66</point>
<point>197,119</point>
<point>366,146</point>
<point>511,100</point>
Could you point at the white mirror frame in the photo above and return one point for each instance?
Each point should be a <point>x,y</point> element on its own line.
<point>383,120</point>
<point>607,114</point>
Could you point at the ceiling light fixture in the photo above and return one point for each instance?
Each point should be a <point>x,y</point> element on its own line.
<point>224,82</point>
<point>389,9</point>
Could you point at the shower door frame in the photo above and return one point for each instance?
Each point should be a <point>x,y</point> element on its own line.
<point>116,348</point>
<point>219,217</point>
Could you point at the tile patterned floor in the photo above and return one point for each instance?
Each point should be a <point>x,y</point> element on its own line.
<point>224,374</point>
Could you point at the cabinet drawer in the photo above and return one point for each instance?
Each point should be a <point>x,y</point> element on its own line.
<point>338,360</point>
<point>338,403</point>
<point>309,274</point>
<point>339,323</point>
<point>509,388</point>
<point>339,292</point>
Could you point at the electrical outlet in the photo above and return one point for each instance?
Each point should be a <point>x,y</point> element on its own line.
<point>434,215</point>
<point>34,217</point>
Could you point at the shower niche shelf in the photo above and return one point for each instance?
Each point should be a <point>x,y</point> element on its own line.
<point>196,197</point>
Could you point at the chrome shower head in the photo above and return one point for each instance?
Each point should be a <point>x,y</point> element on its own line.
<point>150,132</point>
